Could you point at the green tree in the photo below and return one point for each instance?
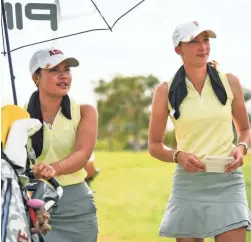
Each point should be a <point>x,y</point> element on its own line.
<point>124,107</point>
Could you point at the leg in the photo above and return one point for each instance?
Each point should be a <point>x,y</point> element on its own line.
<point>190,240</point>
<point>232,236</point>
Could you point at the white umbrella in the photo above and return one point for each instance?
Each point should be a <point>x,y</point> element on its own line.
<point>30,22</point>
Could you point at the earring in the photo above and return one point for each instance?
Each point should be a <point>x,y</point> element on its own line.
<point>37,82</point>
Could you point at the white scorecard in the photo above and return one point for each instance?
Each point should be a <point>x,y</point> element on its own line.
<point>216,163</point>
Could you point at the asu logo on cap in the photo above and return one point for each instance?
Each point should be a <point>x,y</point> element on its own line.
<point>55,52</point>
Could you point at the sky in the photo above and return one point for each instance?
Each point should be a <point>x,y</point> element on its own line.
<point>140,44</point>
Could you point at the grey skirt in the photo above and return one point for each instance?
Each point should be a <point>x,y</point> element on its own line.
<point>75,218</point>
<point>204,205</point>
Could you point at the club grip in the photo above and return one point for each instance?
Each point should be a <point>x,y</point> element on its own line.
<point>54,182</point>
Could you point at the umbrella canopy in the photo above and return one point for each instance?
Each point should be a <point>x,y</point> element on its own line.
<point>30,22</point>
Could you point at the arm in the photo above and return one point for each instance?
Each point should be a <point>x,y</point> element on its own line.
<point>157,125</point>
<point>240,118</point>
<point>240,115</point>
<point>85,142</point>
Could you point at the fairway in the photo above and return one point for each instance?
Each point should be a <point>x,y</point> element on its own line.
<point>131,194</point>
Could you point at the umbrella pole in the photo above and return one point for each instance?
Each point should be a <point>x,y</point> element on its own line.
<point>12,77</point>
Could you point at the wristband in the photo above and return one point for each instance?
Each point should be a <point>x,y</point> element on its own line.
<point>60,168</point>
<point>245,147</point>
<point>175,155</point>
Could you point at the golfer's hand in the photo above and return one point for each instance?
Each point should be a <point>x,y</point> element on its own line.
<point>190,162</point>
<point>43,171</point>
<point>238,154</point>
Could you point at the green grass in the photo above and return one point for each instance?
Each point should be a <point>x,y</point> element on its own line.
<point>131,194</point>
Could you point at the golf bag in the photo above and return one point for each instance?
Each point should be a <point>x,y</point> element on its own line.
<point>19,203</point>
